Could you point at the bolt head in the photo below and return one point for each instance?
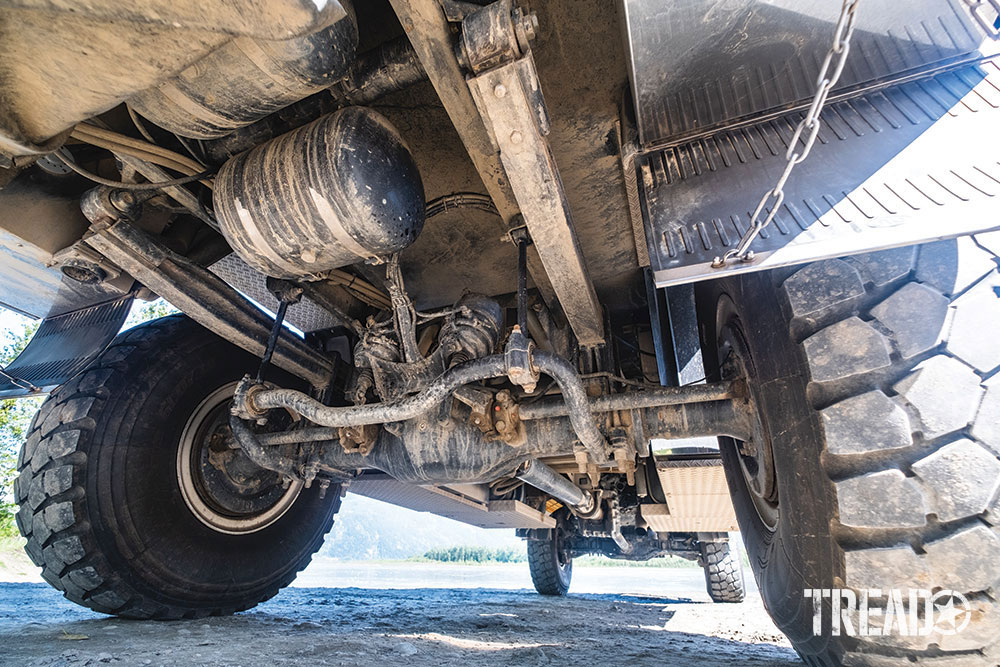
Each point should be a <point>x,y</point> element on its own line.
<point>500,90</point>
<point>516,137</point>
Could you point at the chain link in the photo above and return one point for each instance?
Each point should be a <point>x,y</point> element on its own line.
<point>18,382</point>
<point>806,133</point>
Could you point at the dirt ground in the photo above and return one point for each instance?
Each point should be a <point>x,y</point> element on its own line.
<point>413,626</point>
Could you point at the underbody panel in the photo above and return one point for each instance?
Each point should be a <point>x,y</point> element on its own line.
<point>463,503</point>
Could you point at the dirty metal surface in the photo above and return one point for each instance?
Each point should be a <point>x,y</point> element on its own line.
<point>63,346</point>
<point>697,498</point>
<point>702,64</point>
<point>510,101</point>
<point>50,82</point>
<point>451,504</point>
<point>304,315</point>
<point>911,163</point>
<point>207,299</point>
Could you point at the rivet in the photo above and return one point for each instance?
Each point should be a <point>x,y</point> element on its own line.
<point>515,137</point>
<point>500,90</point>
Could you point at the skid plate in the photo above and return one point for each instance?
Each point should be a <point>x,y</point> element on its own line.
<point>697,498</point>
<point>63,346</point>
<point>451,503</point>
<point>697,65</point>
<point>910,163</point>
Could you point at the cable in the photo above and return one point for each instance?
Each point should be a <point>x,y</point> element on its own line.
<point>460,200</point>
<point>103,134</point>
<point>138,124</point>
<point>119,143</point>
<point>360,288</point>
<point>121,185</point>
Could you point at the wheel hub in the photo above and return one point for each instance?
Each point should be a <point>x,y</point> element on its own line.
<point>755,456</point>
<point>222,487</point>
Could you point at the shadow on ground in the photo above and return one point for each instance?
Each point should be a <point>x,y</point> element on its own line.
<point>418,627</point>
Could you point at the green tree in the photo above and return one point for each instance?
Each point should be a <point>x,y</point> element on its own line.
<point>15,417</point>
<point>145,311</point>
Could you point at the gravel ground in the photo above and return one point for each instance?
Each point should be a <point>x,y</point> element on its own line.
<point>407,625</point>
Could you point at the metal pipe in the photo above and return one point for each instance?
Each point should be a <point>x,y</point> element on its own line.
<point>522,283</point>
<point>380,413</point>
<point>576,401</point>
<point>544,478</point>
<point>388,68</point>
<point>649,398</point>
<point>577,406</point>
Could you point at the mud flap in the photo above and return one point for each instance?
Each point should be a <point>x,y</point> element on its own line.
<point>62,347</point>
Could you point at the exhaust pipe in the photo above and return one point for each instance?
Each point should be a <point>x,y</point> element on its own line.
<point>544,478</point>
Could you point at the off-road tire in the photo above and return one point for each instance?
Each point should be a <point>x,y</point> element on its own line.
<point>723,572</point>
<point>99,500</point>
<point>876,379</point>
<point>551,570</point>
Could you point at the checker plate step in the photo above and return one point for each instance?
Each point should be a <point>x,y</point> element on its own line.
<point>910,163</point>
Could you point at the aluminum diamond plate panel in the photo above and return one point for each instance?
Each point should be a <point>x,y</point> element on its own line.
<point>305,315</point>
<point>911,163</point>
<point>701,64</point>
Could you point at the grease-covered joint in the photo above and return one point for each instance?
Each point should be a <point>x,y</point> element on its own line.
<point>521,368</point>
<point>494,35</point>
<point>243,406</point>
<point>104,206</point>
<point>267,458</point>
<point>473,331</point>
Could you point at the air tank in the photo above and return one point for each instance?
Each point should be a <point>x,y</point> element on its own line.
<point>337,191</point>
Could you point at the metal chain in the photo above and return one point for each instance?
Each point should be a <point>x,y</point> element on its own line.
<point>809,126</point>
<point>18,382</point>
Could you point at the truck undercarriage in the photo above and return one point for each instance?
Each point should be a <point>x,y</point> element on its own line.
<point>482,259</point>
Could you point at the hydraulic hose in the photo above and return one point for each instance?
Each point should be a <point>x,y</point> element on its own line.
<point>380,413</point>
<point>575,397</point>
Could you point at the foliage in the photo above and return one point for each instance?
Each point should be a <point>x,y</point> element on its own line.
<point>15,416</point>
<point>475,555</point>
<point>145,311</point>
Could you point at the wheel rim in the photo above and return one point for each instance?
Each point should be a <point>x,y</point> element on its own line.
<point>564,561</point>
<point>756,458</point>
<point>222,487</point>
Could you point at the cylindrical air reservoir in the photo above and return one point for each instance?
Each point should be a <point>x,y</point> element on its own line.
<point>337,191</point>
<point>247,79</point>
